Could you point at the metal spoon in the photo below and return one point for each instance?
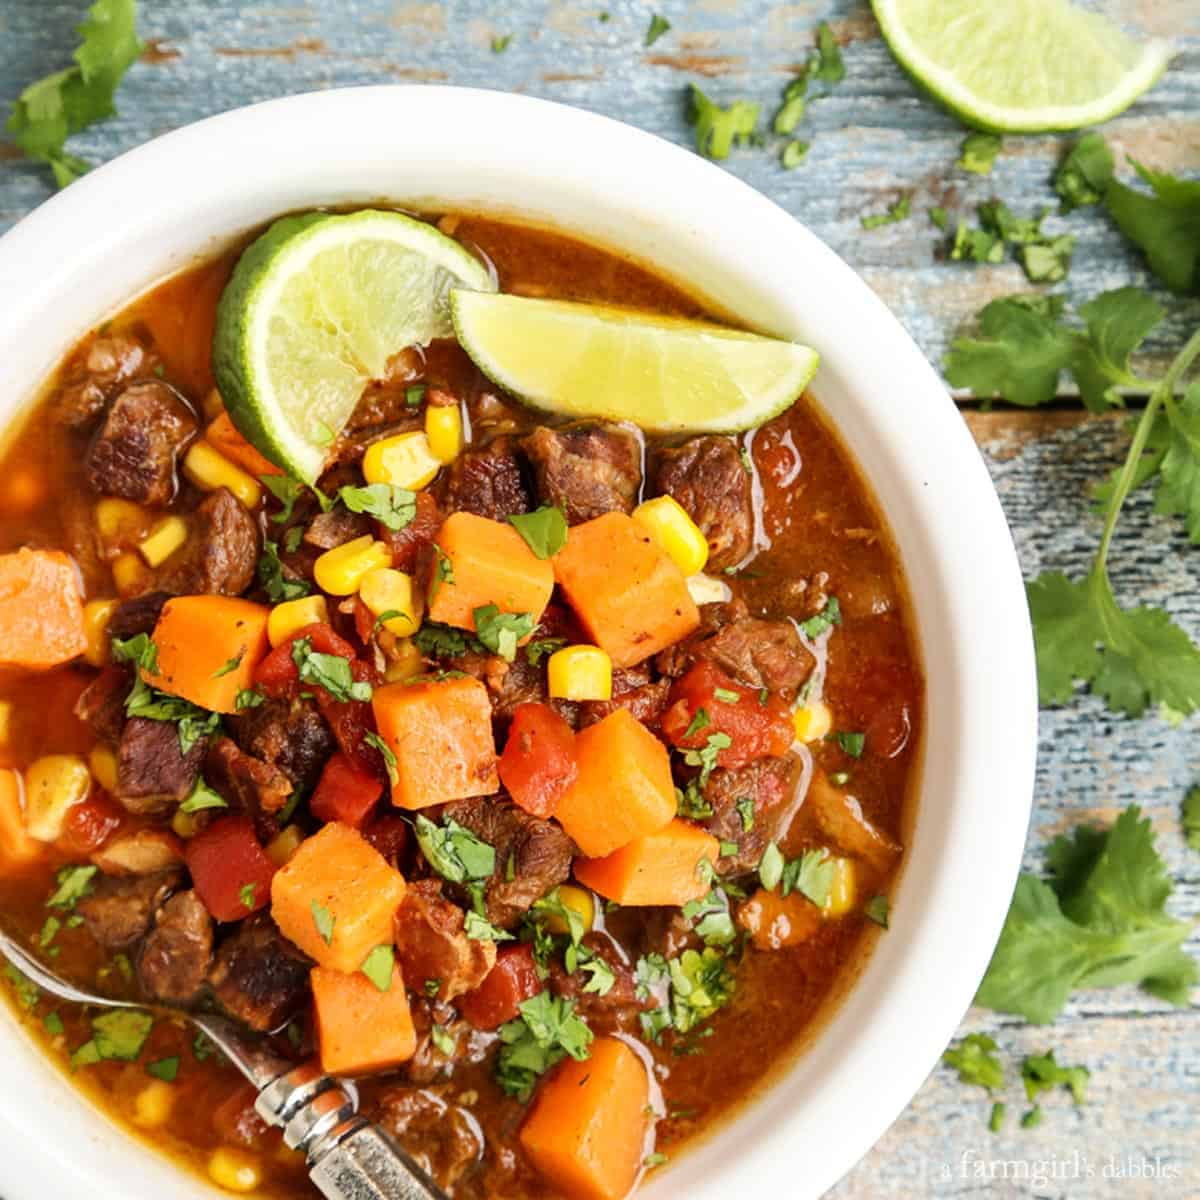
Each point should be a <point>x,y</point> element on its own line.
<point>348,1157</point>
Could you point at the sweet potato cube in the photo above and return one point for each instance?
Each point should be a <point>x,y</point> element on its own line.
<point>359,1028</point>
<point>657,868</point>
<point>441,735</point>
<point>624,787</point>
<point>208,647</point>
<point>631,597</point>
<point>482,562</point>
<point>586,1130</point>
<point>41,609</point>
<point>336,896</point>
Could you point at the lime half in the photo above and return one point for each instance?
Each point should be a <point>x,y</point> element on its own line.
<point>662,373</point>
<point>315,309</point>
<point>1020,66</point>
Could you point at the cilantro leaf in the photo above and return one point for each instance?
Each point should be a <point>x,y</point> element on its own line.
<point>852,743</point>
<point>386,753</point>
<point>794,154</point>
<point>393,507</point>
<point>658,26</point>
<point>976,1062</point>
<point>377,966</point>
<point>791,110</point>
<point>701,983</point>
<point>1040,1073</point>
<point>324,921</point>
<point>201,797</point>
<point>444,1041</point>
<point>706,757</point>
<point>717,128</point>
<point>547,1030</point>
<point>270,574</point>
<point>1085,173</point>
<point>1049,261</point>
<point>287,491</point>
<point>120,1035</point>
<point>897,211</point>
<point>978,153</point>
<point>27,992</point>
<point>453,851</point>
<point>1117,322</point>
<point>164,1068</point>
<point>544,529</point>
<point>443,641</point>
<point>543,648</point>
<point>328,671</point>
<point>1165,224</point>
<point>500,631</point>
<point>1179,470</point>
<point>50,110</point>
<point>139,650</point>
<point>827,65</point>
<point>829,616</point>
<point>876,909</point>
<point>500,43</point>
<point>73,884</point>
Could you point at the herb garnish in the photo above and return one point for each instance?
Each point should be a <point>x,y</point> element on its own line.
<point>658,26</point>
<point>139,650</point>
<point>829,616</point>
<point>386,753</point>
<point>706,757</point>
<point>287,491</point>
<point>116,1036</point>
<point>393,507</point>
<point>501,631</point>
<point>899,210</point>
<point>201,797</point>
<point>976,1062</point>
<point>377,966</point>
<point>811,874</point>
<point>544,529</point>
<point>543,648</point>
<point>978,153</point>
<point>271,576</point>
<point>73,884</point>
<point>547,1030</point>
<point>718,128</point>
<point>324,920</point>
<point>328,671</point>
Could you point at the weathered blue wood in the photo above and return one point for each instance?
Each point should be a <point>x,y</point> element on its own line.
<point>873,139</point>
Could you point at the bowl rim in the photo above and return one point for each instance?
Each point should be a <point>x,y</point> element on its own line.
<point>981,735</point>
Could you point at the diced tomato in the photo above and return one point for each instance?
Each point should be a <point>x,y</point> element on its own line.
<point>278,674</point>
<point>512,981</point>
<point>352,720</point>
<point>406,544</point>
<point>236,1121</point>
<point>231,873</point>
<point>388,833</point>
<point>755,729</point>
<point>89,825</point>
<point>364,620</point>
<point>538,763</point>
<point>345,792</point>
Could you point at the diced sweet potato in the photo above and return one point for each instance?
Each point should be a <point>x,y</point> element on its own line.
<point>441,734</point>
<point>480,562</point>
<point>224,436</point>
<point>208,647</point>
<point>336,897</point>
<point>624,788</point>
<point>41,609</point>
<point>657,868</point>
<point>626,590</point>
<point>17,848</point>
<point>586,1130</point>
<point>359,1028</point>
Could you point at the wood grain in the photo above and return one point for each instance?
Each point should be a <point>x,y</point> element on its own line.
<point>873,140</point>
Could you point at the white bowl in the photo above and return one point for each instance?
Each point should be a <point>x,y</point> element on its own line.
<point>94,246</point>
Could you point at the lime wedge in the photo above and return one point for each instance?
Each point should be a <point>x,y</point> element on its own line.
<point>315,309</point>
<point>1020,66</point>
<point>662,373</point>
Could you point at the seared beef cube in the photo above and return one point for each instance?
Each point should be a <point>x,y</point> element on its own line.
<point>767,784</point>
<point>675,660</point>
<point>250,785</point>
<point>487,481</point>
<point>408,544</point>
<point>152,771</point>
<point>108,363</point>
<point>221,554</point>
<point>138,615</point>
<point>328,530</point>
<point>176,955</point>
<point>443,1139</point>
<point>617,1010</point>
<point>532,855</point>
<point>586,472</point>
<point>708,480</point>
<point>260,978</point>
<point>761,654</point>
<point>101,704</point>
<point>290,736</point>
<point>118,909</point>
<point>133,454</point>
<point>634,689</point>
<point>431,945</point>
<point>508,684</point>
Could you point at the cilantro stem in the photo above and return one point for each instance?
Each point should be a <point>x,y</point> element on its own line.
<point>1164,393</point>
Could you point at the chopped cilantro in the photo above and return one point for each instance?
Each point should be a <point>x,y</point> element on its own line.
<point>500,631</point>
<point>827,65</point>
<point>794,154</point>
<point>203,1047</point>
<point>443,571</point>
<point>699,721</point>
<point>26,990</point>
<point>53,1024</point>
<point>658,26</point>
<point>324,920</point>
<point>547,1030</point>
<point>287,491</point>
<point>431,987</point>
<point>718,128</point>
<point>292,538</point>
<point>1040,1073</point>
<point>1048,262</point>
<point>118,1036</point>
<point>996,1120</point>
<point>897,211</point>
<point>386,752</point>
<point>701,983</point>
<point>726,696</point>
<point>271,576</point>
<point>852,743</point>
<point>453,851</point>
<point>543,648</point>
<point>443,641</point>
<point>248,895</point>
<point>480,929</point>
<point>601,979</point>
<point>201,797</point>
<point>829,616</point>
<point>551,905</point>
<point>49,931</point>
<point>978,153</point>
<point>414,394</point>
<point>711,918</point>
<point>690,803</point>
<point>73,884</point>
<point>791,110</point>
<point>745,810</point>
<point>194,724</point>
<point>230,665</point>
<point>377,966</point>
<point>443,1040</point>
<point>1085,173</point>
<point>976,1062</point>
<point>706,757</point>
<point>544,530</point>
<point>938,217</point>
<point>876,910</point>
<point>655,1159</point>
<point>1033,1118</point>
<point>770,867</point>
<point>328,671</point>
<point>500,43</point>
<point>139,650</point>
<point>164,1068</point>
<point>248,698</point>
<point>393,507</point>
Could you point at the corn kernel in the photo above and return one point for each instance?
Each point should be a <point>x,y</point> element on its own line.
<point>234,1170</point>
<point>163,540</point>
<point>186,824</point>
<point>667,522</point>
<point>444,431</point>
<point>388,591</point>
<point>406,662</point>
<point>292,615</point>
<point>404,461</point>
<point>54,785</point>
<point>116,519</point>
<point>843,890</point>
<point>283,845</point>
<point>208,469</point>
<point>129,574</point>
<point>339,571</point>
<point>96,616</point>
<point>102,762</point>
<point>152,1105</point>
<point>812,722</point>
<point>580,673</point>
<point>576,899</point>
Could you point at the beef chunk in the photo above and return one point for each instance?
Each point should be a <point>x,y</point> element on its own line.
<point>118,910</point>
<point>488,481</point>
<point>508,684</point>
<point>221,555</point>
<point>634,689</point>
<point>260,978</point>
<point>767,783</point>
<point>106,365</point>
<point>431,944</point>
<point>761,654</point>
<point>840,817</point>
<point>408,544</point>
<point>708,480</point>
<point>176,955</point>
<point>586,472</point>
<point>335,528</point>
<point>133,453</point>
<point>536,855</point>
<point>138,615</point>
<point>255,787</point>
<point>675,660</point>
<point>617,1010</point>
<point>443,1138</point>
<point>152,771</point>
<point>291,736</point>
<point>101,704</point>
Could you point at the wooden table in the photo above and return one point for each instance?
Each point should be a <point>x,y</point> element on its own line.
<point>872,140</point>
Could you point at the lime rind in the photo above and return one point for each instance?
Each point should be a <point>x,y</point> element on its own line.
<point>1024,66</point>
<point>315,309</point>
<point>665,374</point>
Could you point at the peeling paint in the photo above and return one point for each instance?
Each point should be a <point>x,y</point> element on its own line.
<point>299,46</point>
<point>158,52</point>
<point>708,65</point>
<point>424,21</point>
